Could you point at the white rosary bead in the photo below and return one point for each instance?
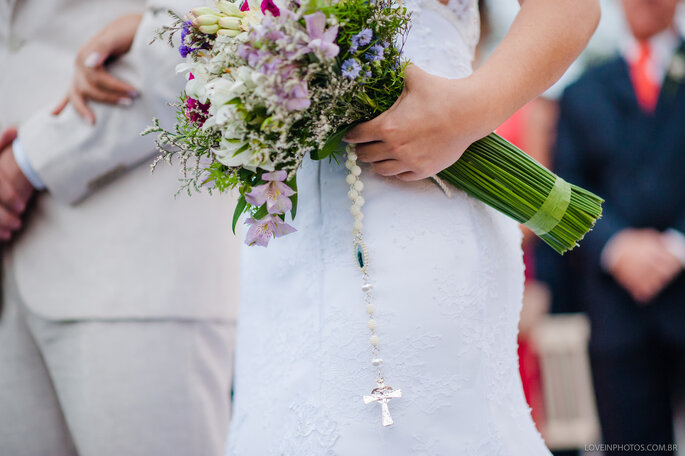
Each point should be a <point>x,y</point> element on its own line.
<point>374,340</point>
<point>356,210</point>
<point>351,155</point>
<point>377,362</point>
<point>353,194</point>
<point>356,170</point>
<point>359,201</point>
<point>370,309</point>
<point>357,226</point>
<point>349,164</point>
<point>372,324</point>
<point>358,185</point>
<point>367,287</point>
<point>351,179</point>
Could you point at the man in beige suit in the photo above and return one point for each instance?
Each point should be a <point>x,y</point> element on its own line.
<point>118,299</point>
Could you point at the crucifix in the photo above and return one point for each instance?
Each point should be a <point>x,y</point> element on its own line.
<point>382,394</point>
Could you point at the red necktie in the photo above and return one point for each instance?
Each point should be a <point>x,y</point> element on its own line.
<point>646,89</point>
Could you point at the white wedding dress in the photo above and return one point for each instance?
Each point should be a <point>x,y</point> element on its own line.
<point>448,282</point>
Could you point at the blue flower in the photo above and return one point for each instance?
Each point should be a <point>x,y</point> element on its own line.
<point>361,39</point>
<point>375,53</point>
<point>351,69</point>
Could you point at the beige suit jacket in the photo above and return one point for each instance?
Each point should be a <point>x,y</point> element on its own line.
<point>107,240</point>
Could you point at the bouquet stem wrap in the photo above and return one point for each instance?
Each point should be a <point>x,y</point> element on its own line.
<point>501,175</point>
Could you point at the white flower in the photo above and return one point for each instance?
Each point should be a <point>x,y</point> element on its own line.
<point>247,159</point>
<point>220,91</point>
<point>229,8</point>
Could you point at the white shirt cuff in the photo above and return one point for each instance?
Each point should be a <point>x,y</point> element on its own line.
<point>675,243</point>
<point>25,165</point>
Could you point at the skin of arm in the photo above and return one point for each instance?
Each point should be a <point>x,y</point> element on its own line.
<point>435,118</point>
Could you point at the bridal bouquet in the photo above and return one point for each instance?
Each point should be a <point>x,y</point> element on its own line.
<point>269,83</point>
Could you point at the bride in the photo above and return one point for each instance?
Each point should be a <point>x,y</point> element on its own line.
<point>447,274</point>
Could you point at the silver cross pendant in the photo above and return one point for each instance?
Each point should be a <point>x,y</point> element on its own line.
<point>382,394</point>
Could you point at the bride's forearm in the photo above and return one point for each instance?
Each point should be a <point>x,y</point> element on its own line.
<point>545,38</point>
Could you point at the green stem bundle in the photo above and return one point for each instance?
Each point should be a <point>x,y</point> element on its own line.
<point>504,177</point>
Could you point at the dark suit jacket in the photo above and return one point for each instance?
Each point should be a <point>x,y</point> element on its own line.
<point>636,161</point>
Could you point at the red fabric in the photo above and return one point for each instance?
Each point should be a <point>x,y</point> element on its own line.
<point>646,89</point>
<point>529,368</point>
<point>513,130</point>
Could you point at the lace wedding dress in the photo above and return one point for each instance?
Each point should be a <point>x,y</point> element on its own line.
<point>448,282</point>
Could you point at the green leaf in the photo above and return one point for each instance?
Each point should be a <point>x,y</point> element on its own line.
<point>261,213</point>
<point>331,144</point>
<point>240,150</point>
<point>239,209</point>
<point>292,183</point>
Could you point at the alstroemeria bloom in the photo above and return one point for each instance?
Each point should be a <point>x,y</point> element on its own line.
<point>261,231</point>
<point>275,193</point>
<point>321,39</point>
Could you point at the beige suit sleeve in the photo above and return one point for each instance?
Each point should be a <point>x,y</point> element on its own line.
<point>74,158</point>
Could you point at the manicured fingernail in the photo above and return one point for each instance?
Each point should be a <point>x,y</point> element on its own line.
<point>132,93</point>
<point>92,60</point>
<point>15,225</point>
<point>19,206</point>
<point>125,102</point>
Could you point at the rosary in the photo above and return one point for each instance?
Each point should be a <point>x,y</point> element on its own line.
<point>382,393</point>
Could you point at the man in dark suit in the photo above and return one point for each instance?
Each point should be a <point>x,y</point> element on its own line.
<point>622,135</point>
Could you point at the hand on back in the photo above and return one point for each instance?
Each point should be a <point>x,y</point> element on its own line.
<point>91,80</point>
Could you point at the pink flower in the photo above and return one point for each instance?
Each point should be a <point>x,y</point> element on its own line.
<point>270,6</point>
<point>320,37</point>
<point>245,6</point>
<point>196,112</point>
<point>261,231</point>
<point>275,193</point>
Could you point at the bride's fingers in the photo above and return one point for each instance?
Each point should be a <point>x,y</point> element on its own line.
<point>94,59</point>
<point>409,176</point>
<point>105,81</point>
<point>103,96</point>
<point>366,132</point>
<point>389,167</point>
<point>373,152</point>
<point>60,107</point>
<point>79,103</point>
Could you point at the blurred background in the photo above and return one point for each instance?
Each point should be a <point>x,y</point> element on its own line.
<point>563,381</point>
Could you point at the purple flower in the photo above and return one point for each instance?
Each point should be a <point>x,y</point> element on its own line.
<point>270,6</point>
<point>184,50</point>
<point>350,69</point>
<point>187,25</point>
<point>375,53</point>
<point>321,38</point>
<point>298,98</point>
<point>261,231</point>
<point>361,39</point>
<point>275,193</point>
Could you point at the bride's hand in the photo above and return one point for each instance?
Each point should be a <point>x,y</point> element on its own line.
<point>427,129</point>
<point>91,80</point>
